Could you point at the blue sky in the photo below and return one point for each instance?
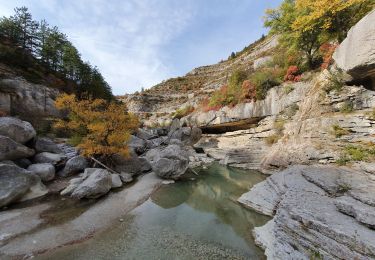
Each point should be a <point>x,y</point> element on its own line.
<point>139,43</point>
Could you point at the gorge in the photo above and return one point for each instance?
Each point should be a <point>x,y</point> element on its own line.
<point>283,173</point>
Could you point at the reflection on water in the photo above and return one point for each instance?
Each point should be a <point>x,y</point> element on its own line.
<point>194,219</point>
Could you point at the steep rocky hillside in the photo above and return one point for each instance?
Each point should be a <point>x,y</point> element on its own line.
<point>175,93</point>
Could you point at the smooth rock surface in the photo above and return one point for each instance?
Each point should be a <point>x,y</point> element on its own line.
<point>94,183</point>
<point>360,39</point>
<point>44,144</point>
<point>74,165</point>
<point>14,182</point>
<point>46,171</point>
<point>116,181</point>
<point>16,129</point>
<point>47,157</point>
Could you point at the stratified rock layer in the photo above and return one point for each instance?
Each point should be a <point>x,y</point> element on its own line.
<point>318,211</point>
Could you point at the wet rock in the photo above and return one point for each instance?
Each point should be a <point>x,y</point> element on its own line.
<point>47,157</point>
<point>74,165</point>
<point>45,171</point>
<point>10,150</point>
<point>43,144</point>
<point>170,162</point>
<point>116,181</point>
<point>14,182</point>
<point>16,129</point>
<point>94,183</point>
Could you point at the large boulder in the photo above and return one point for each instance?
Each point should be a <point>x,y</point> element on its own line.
<point>45,171</point>
<point>356,54</point>
<point>74,165</point>
<point>43,144</point>
<point>170,162</point>
<point>133,165</point>
<point>16,129</point>
<point>47,157</point>
<point>15,182</point>
<point>94,183</point>
<point>11,150</point>
<point>137,144</point>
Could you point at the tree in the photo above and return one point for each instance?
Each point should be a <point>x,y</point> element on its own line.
<point>100,128</point>
<point>24,22</point>
<point>305,25</point>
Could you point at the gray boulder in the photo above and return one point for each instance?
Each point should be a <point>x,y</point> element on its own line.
<point>14,182</point>
<point>10,150</point>
<point>43,144</point>
<point>74,165</point>
<point>170,162</point>
<point>145,135</point>
<point>116,181</point>
<point>94,183</point>
<point>356,54</point>
<point>16,129</point>
<point>45,171</point>
<point>133,165</point>
<point>47,157</point>
<point>139,145</point>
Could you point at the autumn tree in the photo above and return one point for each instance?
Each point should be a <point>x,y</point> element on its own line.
<point>100,128</point>
<point>305,25</point>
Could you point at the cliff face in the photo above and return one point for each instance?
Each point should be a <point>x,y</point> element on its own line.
<point>163,99</point>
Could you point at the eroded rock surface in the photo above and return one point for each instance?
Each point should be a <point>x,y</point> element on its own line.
<point>10,150</point>
<point>315,214</point>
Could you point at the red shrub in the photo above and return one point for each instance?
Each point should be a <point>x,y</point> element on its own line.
<point>327,50</point>
<point>248,91</point>
<point>292,74</point>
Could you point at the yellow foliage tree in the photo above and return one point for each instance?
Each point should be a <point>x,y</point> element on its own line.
<point>99,128</point>
<point>334,17</point>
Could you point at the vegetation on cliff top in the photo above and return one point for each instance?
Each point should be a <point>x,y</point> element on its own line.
<point>309,32</point>
<point>43,52</point>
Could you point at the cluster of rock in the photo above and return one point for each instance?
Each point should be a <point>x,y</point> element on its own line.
<point>318,211</point>
<point>165,151</point>
<point>27,162</point>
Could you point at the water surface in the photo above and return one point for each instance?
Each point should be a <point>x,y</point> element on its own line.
<point>198,218</point>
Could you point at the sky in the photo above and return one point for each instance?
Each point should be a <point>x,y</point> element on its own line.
<point>139,43</point>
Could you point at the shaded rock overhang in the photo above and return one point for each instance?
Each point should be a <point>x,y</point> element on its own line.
<point>231,126</point>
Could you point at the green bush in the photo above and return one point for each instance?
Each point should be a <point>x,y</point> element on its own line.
<point>335,81</point>
<point>181,112</point>
<point>265,79</point>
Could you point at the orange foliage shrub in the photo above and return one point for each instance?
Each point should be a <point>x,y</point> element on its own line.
<point>327,50</point>
<point>292,74</point>
<point>3,113</point>
<point>100,128</point>
<point>248,91</point>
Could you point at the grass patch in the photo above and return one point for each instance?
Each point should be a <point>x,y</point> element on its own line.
<point>272,139</point>
<point>347,107</point>
<point>182,112</point>
<point>288,88</point>
<point>338,131</point>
